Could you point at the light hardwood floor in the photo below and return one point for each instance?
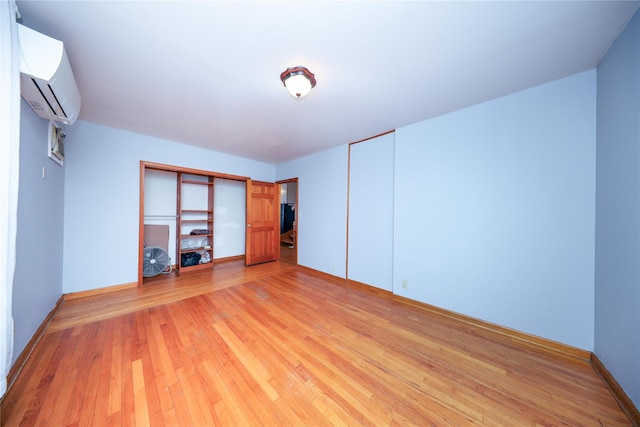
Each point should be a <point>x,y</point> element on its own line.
<point>279,345</point>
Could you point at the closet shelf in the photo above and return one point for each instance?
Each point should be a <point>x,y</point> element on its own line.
<point>184,236</point>
<point>191,219</point>
<point>184,251</point>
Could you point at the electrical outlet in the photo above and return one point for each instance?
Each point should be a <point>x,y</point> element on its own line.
<point>405,284</point>
<point>333,267</point>
<point>44,172</point>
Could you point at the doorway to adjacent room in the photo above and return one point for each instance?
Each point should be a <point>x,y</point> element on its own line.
<point>289,220</point>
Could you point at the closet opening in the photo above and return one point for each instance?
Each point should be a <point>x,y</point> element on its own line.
<point>194,217</point>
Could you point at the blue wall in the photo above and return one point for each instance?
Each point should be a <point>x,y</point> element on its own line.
<point>37,283</point>
<point>322,208</point>
<point>494,210</point>
<point>102,198</point>
<point>617,268</point>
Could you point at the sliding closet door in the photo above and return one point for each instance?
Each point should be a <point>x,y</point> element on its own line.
<point>229,218</point>
<point>370,238</point>
<point>160,192</point>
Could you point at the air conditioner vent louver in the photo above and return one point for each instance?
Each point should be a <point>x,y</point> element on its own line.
<point>51,100</point>
<point>47,81</point>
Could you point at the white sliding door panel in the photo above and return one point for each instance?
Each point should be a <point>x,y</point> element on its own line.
<point>160,197</point>
<point>229,213</point>
<point>370,238</point>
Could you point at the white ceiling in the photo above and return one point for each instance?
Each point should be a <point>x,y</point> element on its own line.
<point>207,73</point>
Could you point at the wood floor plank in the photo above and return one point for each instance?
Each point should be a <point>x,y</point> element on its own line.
<point>115,372</point>
<point>104,372</point>
<point>179,404</point>
<point>198,401</point>
<point>248,359</point>
<point>139,393</point>
<point>227,408</point>
<point>279,345</point>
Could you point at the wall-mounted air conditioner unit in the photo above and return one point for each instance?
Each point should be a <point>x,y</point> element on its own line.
<point>47,82</point>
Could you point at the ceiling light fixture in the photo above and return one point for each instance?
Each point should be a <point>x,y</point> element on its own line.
<point>298,80</point>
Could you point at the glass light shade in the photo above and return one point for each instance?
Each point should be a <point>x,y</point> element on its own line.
<point>298,85</point>
<point>298,80</point>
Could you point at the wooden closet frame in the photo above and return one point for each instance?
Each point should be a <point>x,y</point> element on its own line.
<point>144,165</point>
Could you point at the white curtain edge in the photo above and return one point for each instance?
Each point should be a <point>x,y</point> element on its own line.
<point>9,175</point>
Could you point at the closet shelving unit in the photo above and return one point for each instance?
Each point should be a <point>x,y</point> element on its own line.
<point>195,212</point>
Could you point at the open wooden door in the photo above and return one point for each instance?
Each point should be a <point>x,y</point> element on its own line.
<point>262,223</point>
